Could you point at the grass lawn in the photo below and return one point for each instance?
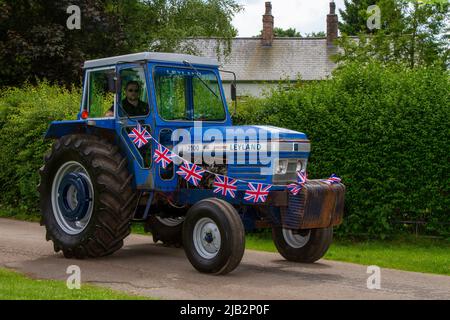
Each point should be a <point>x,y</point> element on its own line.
<point>18,215</point>
<point>406,253</point>
<point>15,286</point>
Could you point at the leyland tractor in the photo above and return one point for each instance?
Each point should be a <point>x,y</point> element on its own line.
<point>154,143</point>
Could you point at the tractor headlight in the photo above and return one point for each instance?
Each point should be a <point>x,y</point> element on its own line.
<point>281,167</point>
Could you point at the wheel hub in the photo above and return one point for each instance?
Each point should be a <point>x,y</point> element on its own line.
<point>207,239</point>
<point>295,238</point>
<point>73,196</point>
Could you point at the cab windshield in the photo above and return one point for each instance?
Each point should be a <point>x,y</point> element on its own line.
<point>189,95</point>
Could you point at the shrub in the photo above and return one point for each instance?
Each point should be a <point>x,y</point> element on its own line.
<point>25,114</point>
<point>384,130</point>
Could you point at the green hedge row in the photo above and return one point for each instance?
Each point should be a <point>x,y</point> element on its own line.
<point>25,114</point>
<point>384,130</point>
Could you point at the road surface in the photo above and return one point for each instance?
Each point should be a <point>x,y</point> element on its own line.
<point>144,268</point>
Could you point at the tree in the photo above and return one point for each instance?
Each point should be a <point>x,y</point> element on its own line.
<point>35,42</point>
<point>320,34</point>
<point>293,33</point>
<point>354,16</point>
<point>283,33</point>
<point>164,25</point>
<point>286,33</point>
<point>410,33</point>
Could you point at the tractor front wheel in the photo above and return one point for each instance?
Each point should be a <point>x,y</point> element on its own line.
<point>85,196</point>
<point>302,245</point>
<point>213,236</point>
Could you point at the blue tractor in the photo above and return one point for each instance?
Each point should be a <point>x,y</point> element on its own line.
<point>105,170</point>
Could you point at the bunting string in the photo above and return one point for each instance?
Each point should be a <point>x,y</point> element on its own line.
<point>223,185</point>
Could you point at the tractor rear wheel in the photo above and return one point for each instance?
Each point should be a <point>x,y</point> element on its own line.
<point>213,236</point>
<point>167,230</point>
<point>86,198</point>
<point>302,245</point>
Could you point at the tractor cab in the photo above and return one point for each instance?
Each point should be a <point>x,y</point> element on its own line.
<point>162,92</point>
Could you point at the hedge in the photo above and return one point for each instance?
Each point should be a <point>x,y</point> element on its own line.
<point>25,114</point>
<point>384,130</point>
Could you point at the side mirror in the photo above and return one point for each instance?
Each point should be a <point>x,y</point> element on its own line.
<point>112,82</point>
<point>233,91</point>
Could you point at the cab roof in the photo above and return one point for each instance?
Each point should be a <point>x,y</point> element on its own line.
<point>150,56</point>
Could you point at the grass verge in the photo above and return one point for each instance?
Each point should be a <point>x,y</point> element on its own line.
<point>15,286</point>
<point>404,253</point>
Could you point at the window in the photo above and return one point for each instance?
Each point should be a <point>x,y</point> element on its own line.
<point>133,102</point>
<point>208,103</point>
<point>171,95</point>
<point>134,99</point>
<point>185,94</point>
<point>101,92</point>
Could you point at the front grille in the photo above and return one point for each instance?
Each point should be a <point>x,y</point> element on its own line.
<point>247,172</point>
<point>291,173</point>
<point>318,205</point>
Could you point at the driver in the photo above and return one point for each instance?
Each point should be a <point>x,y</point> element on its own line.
<point>131,104</point>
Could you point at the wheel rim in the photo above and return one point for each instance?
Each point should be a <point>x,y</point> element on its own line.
<point>171,222</point>
<point>294,239</point>
<point>72,197</point>
<point>207,239</point>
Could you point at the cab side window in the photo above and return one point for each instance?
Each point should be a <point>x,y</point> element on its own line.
<point>101,91</point>
<point>133,93</point>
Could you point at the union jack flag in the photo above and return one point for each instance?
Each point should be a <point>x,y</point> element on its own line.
<point>163,155</point>
<point>191,173</point>
<point>257,192</point>
<point>333,179</point>
<point>294,188</point>
<point>302,177</point>
<point>225,186</point>
<point>140,136</point>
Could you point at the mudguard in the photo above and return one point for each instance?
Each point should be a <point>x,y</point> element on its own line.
<point>58,129</point>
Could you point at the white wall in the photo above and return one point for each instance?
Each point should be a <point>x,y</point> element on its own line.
<point>248,89</point>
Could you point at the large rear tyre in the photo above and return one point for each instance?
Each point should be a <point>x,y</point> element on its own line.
<point>167,230</point>
<point>305,246</point>
<point>86,198</point>
<point>213,236</point>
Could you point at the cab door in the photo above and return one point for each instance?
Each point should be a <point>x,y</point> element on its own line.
<point>135,121</point>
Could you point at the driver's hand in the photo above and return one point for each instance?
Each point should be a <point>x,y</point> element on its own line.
<point>109,113</point>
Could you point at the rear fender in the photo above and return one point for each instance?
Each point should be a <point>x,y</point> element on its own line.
<point>104,128</point>
<point>58,129</point>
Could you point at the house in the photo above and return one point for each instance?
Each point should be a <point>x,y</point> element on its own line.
<point>261,62</point>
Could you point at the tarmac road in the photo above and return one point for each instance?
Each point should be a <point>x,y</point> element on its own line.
<point>144,268</point>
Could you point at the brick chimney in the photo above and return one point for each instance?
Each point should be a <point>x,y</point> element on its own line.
<point>267,33</point>
<point>332,24</point>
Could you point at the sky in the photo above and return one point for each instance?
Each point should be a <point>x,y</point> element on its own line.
<point>305,16</point>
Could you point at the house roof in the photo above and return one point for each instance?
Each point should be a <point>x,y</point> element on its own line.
<point>152,56</point>
<point>289,58</point>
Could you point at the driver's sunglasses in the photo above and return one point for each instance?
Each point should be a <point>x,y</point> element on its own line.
<point>131,90</point>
